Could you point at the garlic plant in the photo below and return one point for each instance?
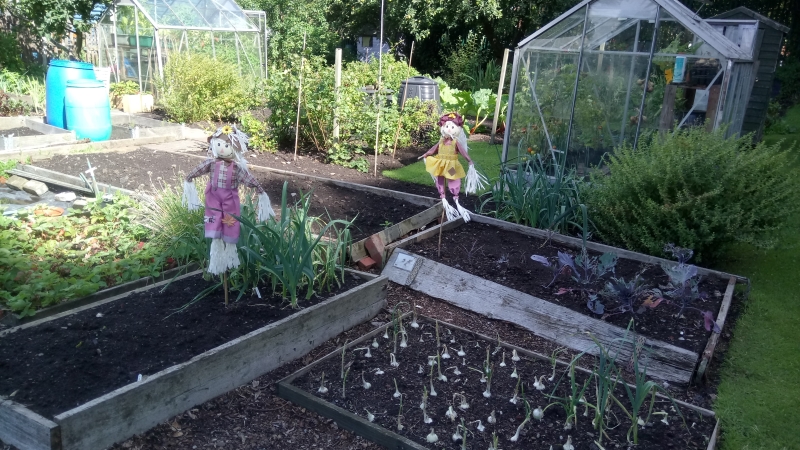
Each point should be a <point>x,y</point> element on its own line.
<point>503,362</point>
<point>414,323</point>
<point>367,354</point>
<point>480,426</point>
<point>378,371</point>
<point>515,438</point>
<point>461,351</point>
<point>451,413</point>
<point>439,369</point>
<point>397,393</point>
<point>554,361</point>
<point>386,333</point>
<point>393,361</point>
<point>445,354</point>
<point>399,413</point>
<point>364,382</point>
<point>515,398</point>
<point>514,356</point>
<point>538,383</point>
<point>432,437</point>
<point>495,442</point>
<point>492,419</point>
<point>568,444</point>
<point>420,370</point>
<point>344,382</point>
<point>370,416</point>
<point>433,391</point>
<point>375,343</point>
<point>322,389</point>
<point>538,413</point>
<point>463,405</point>
<point>514,373</point>
<point>454,369</point>
<point>404,339</point>
<point>489,371</point>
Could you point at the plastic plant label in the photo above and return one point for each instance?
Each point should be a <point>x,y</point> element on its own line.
<point>405,262</point>
<point>680,69</point>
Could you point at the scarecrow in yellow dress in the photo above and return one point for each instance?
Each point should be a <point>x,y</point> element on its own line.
<point>441,161</point>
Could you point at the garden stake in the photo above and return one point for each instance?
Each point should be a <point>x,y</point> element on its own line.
<point>403,105</point>
<point>441,224</point>
<point>299,93</point>
<point>378,96</point>
<point>225,286</point>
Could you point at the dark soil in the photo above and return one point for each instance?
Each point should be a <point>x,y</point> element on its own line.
<point>20,131</point>
<point>143,169</point>
<point>379,400</point>
<point>504,257</point>
<point>64,363</point>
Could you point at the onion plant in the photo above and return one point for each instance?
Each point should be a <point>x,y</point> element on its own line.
<point>572,400</point>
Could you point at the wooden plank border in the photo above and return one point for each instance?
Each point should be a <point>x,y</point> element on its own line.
<point>139,406</point>
<point>551,321</point>
<point>708,353</point>
<point>15,320</point>
<point>385,437</point>
<point>398,230</point>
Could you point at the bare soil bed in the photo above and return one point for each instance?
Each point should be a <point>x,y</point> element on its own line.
<point>467,356</point>
<point>143,169</point>
<point>98,350</point>
<point>504,257</point>
<point>20,131</point>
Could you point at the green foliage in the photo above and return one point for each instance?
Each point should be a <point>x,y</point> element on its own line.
<point>357,110</point>
<point>261,139</point>
<point>465,61</point>
<point>44,261</point>
<point>22,84</point>
<point>695,189</point>
<point>6,165</point>
<point>10,53</point>
<point>127,87</point>
<point>196,87</point>
<point>789,75</point>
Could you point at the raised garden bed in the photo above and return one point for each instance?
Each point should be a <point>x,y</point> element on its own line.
<point>486,264</point>
<point>132,126</point>
<point>99,351</point>
<point>374,209</point>
<point>352,410</point>
<point>30,132</point>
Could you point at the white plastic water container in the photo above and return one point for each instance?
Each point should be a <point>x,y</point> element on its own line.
<point>103,74</point>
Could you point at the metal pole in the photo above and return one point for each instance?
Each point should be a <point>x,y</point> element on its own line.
<point>499,93</point>
<point>116,48</point>
<point>138,50</point>
<point>337,82</point>
<point>630,82</point>
<point>238,58</point>
<point>647,78</point>
<point>577,80</point>
<point>378,91</point>
<point>157,36</point>
<point>510,109</point>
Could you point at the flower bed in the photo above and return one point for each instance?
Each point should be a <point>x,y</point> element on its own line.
<point>491,256</point>
<point>130,366</point>
<point>518,403</point>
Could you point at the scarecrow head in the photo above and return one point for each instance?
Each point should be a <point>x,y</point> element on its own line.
<point>228,142</point>
<point>451,125</point>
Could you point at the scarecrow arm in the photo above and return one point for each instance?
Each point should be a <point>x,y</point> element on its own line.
<point>203,168</point>
<point>462,152</point>
<point>430,152</point>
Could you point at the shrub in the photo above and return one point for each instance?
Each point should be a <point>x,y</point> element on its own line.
<point>464,65</point>
<point>10,52</point>
<point>196,87</point>
<point>693,189</point>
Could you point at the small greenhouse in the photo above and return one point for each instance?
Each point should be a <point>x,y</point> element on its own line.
<point>136,37</point>
<point>607,72</point>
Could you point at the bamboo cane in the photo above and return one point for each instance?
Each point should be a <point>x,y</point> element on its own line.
<point>225,286</point>
<point>299,94</point>
<point>378,92</point>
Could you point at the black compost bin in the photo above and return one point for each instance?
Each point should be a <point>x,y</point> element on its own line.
<point>419,87</point>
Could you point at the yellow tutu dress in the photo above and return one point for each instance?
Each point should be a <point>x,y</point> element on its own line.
<point>445,162</point>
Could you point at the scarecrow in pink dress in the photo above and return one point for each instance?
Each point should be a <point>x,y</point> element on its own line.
<point>441,161</point>
<point>228,169</point>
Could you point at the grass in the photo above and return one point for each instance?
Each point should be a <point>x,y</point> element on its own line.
<point>759,389</point>
<point>485,156</point>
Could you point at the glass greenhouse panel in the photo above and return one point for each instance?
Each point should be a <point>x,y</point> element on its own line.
<point>565,35</point>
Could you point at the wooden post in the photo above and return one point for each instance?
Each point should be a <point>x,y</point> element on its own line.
<point>711,107</point>
<point>378,92</point>
<point>299,94</point>
<point>441,225</point>
<point>668,108</point>
<point>403,104</point>
<point>225,286</point>
<point>337,83</point>
<point>499,94</point>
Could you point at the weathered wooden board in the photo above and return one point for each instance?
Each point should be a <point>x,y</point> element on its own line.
<point>708,353</point>
<point>27,430</point>
<point>425,234</point>
<point>398,230</point>
<point>141,405</point>
<point>550,321</point>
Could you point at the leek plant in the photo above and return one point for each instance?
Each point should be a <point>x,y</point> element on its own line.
<point>541,193</point>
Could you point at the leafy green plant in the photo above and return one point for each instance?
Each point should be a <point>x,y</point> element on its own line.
<point>199,88</point>
<point>466,61</point>
<point>258,130</point>
<point>9,107</point>
<point>695,189</point>
<point>44,261</point>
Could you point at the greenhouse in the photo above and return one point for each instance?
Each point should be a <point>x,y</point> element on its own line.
<point>608,72</point>
<point>136,37</point>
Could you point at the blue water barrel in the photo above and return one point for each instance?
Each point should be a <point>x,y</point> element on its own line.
<point>58,73</point>
<point>88,109</point>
